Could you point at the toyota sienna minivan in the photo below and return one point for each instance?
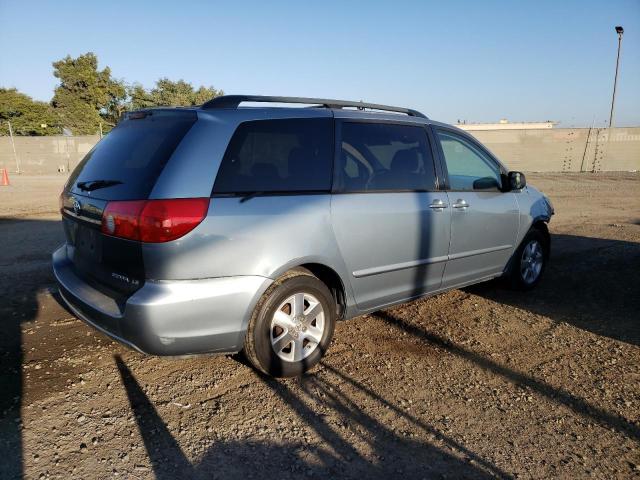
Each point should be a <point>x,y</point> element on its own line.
<point>229,227</point>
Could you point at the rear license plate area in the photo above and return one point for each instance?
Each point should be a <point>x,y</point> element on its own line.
<point>88,243</point>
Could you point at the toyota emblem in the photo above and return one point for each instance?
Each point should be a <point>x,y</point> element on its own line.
<point>76,206</point>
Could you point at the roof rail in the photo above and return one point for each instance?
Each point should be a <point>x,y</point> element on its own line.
<point>233,101</point>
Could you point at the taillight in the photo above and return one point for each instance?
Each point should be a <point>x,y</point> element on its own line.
<point>122,219</point>
<point>165,220</point>
<point>153,221</point>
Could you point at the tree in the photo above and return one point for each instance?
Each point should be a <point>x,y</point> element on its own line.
<point>139,98</point>
<point>168,93</point>
<point>27,116</point>
<point>86,96</point>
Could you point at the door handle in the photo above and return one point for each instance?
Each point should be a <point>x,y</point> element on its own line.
<point>438,205</point>
<point>460,204</point>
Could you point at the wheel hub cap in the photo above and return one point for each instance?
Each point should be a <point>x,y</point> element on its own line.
<point>531,262</point>
<point>297,327</point>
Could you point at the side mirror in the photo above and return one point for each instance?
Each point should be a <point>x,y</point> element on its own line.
<point>517,181</point>
<point>485,183</point>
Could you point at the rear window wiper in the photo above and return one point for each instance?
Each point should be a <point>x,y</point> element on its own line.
<point>249,195</point>
<point>96,184</point>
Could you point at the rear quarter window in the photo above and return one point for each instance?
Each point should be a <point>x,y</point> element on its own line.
<point>133,154</point>
<point>291,155</point>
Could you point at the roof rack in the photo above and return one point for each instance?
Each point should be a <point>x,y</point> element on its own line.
<point>233,101</point>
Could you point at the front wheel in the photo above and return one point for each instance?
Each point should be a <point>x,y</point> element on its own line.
<point>529,261</point>
<point>292,325</point>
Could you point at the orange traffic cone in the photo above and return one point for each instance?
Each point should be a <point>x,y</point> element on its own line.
<point>4,181</point>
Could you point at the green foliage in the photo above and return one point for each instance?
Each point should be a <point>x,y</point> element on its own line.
<point>86,96</point>
<point>168,93</point>
<point>27,116</point>
<point>139,97</point>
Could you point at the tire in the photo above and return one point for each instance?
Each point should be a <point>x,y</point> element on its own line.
<point>286,334</point>
<point>529,261</point>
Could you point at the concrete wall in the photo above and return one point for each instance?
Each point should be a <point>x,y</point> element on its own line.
<point>506,125</point>
<point>539,150</point>
<point>45,155</point>
<point>565,149</point>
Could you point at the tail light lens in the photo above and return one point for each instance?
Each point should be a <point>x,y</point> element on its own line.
<point>122,219</point>
<point>153,221</point>
<point>166,220</point>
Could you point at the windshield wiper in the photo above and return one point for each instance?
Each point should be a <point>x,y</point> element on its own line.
<point>96,184</point>
<point>249,196</point>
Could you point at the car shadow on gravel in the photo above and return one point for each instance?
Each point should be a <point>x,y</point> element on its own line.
<point>551,393</point>
<point>13,313</point>
<point>25,272</point>
<point>590,283</point>
<point>393,453</point>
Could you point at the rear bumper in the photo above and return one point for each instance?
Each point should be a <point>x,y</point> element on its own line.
<point>178,317</point>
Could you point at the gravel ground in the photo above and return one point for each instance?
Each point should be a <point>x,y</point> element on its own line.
<point>474,383</point>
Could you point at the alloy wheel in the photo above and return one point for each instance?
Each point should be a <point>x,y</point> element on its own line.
<point>531,262</point>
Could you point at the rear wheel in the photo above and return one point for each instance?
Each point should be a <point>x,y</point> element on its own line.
<point>292,325</point>
<point>529,261</point>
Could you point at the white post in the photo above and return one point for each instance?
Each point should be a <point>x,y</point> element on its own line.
<point>66,144</point>
<point>13,145</point>
<point>100,129</point>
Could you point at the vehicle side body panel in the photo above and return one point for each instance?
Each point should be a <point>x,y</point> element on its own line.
<point>394,244</point>
<point>483,235</point>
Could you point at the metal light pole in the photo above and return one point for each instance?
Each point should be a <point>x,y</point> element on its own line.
<point>619,31</point>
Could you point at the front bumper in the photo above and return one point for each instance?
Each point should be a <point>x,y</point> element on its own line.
<point>176,317</point>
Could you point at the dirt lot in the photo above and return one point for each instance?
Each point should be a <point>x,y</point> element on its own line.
<point>477,383</point>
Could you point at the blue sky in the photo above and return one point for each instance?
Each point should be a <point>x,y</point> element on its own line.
<point>479,61</point>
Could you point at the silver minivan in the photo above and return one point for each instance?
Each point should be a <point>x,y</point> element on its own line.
<point>227,227</point>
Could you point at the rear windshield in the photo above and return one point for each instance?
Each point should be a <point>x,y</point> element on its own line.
<point>128,161</point>
<point>292,155</point>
